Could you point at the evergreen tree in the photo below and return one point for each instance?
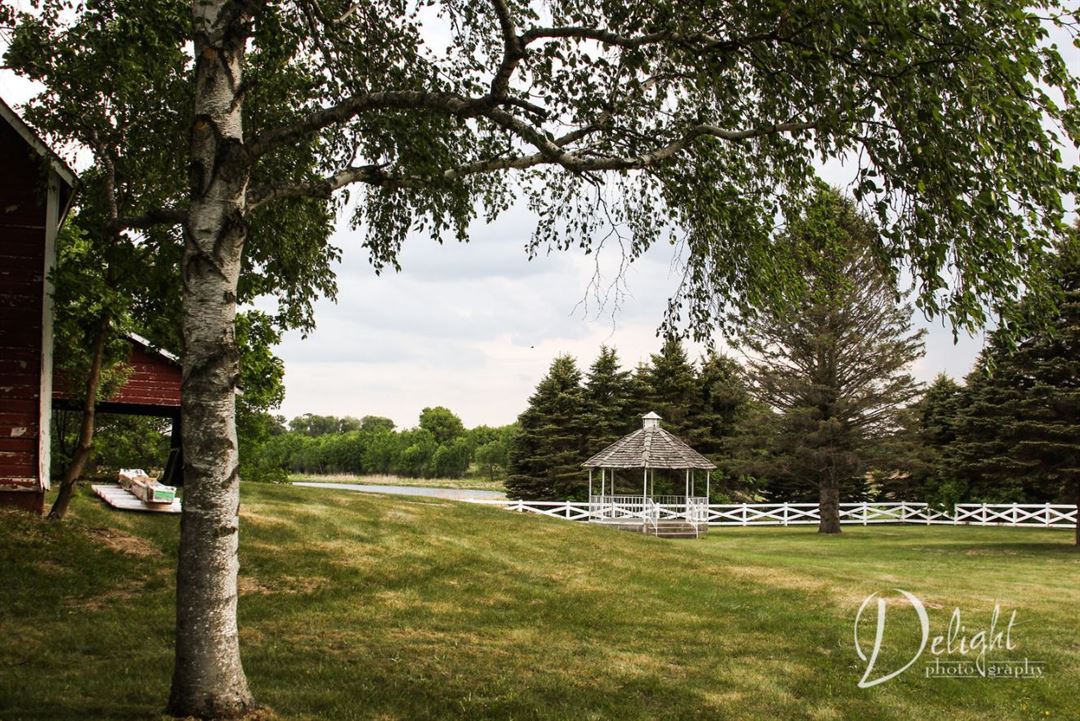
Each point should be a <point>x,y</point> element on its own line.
<point>1018,431</point>
<point>749,470</point>
<point>719,400</point>
<point>670,386</point>
<point>548,449</point>
<point>640,397</point>
<point>608,401</point>
<point>833,364</point>
<point>937,416</point>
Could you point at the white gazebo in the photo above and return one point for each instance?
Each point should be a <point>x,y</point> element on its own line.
<point>648,449</point>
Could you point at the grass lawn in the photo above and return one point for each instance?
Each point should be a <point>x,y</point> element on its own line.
<point>469,484</point>
<point>359,606</point>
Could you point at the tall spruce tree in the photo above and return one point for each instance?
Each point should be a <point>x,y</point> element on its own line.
<point>608,401</point>
<point>548,449</point>
<point>670,385</point>
<point>937,417</point>
<point>719,400</point>
<point>1018,431</point>
<point>834,362</point>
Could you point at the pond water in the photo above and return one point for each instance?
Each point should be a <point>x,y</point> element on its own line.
<point>454,494</point>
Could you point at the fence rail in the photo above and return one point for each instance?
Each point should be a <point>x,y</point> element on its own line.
<point>1039,515</point>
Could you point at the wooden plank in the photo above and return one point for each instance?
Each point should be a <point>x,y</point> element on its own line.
<point>124,500</point>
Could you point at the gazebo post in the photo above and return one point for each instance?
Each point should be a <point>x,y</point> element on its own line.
<point>590,494</point>
<point>708,474</point>
<point>644,493</point>
<point>686,498</point>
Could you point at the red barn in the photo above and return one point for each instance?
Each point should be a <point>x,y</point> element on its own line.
<point>36,189</point>
<point>152,388</point>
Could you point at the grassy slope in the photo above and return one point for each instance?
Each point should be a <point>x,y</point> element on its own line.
<point>357,606</point>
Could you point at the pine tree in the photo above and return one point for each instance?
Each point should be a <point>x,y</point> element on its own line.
<point>670,386</point>
<point>937,430</point>
<point>608,401</point>
<point>834,364</point>
<point>548,449</point>
<point>719,400</point>
<point>1018,431</point>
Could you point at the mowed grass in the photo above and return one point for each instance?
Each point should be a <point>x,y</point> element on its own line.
<point>357,606</point>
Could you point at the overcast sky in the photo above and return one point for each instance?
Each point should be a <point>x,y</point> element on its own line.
<point>474,326</point>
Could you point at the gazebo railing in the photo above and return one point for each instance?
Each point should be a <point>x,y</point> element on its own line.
<point>650,509</point>
<point>623,508</point>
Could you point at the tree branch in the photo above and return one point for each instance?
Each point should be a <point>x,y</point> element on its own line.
<point>552,152</point>
<point>321,188</point>
<point>513,51</point>
<point>157,216</point>
<point>350,108</point>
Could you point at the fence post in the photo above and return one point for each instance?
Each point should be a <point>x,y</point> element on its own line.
<point>785,514</point>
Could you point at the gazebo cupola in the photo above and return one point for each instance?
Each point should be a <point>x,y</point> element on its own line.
<point>647,449</point>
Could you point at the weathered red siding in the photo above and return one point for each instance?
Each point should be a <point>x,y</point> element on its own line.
<point>153,380</point>
<point>22,267</point>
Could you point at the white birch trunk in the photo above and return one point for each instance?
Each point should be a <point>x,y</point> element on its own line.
<point>208,679</point>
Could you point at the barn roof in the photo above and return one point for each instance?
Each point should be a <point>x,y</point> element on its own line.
<point>34,141</point>
<point>154,348</point>
<point>649,447</point>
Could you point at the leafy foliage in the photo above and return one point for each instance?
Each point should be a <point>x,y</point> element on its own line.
<point>698,124</point>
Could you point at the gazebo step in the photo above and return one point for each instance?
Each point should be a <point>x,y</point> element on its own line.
<point>678,529</point>
<point>662,529</point>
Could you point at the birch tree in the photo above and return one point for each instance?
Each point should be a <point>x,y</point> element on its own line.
<point>697,124</point>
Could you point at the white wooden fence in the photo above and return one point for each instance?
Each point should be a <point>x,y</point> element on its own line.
<point>801,514</point>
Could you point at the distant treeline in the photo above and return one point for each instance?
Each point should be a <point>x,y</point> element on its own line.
<point>438,447</point>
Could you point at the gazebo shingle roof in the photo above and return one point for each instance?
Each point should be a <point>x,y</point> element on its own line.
<point>649,447</point>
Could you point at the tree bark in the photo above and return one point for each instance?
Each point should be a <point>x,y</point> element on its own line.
<point>86,428</point>
<point>829,506</point>
<point>208,679</point>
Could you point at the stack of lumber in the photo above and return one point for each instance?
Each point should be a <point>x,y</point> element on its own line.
<point>145,488</point>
